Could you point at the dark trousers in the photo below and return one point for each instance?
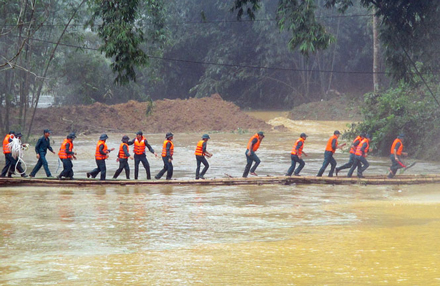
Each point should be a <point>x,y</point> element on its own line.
<point>200,160</point>
<point>141,158</point>
<point>361,163</point>
<point>250,159</point>
<point>394,166</point>
<point>295,159</point>
<point>9,165</point>
<point>328,159</point>
<point>42,162</point>
<point>167,167</point>
<point>123,165</point>
<point>349,164</point>
<point>100,168</point>
<point>67,168</point>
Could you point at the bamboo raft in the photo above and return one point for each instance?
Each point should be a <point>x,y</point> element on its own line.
<point>268,180</point>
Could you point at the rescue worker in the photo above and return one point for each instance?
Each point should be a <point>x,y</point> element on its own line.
<point>41,148</point>
<point>17,163</point>
<point>360,160</point>
<point>252,147</point>
<point>123,155</point>
<point>330,149</point>
<point>140,142</point>
<point>167,157</point>
<point>200,153</point>
<point>353,147</point>
<point>396,154</point>
<point>66,155</point>
<point>9,160</point>
<point>101,154</point>
<point>296,156</point>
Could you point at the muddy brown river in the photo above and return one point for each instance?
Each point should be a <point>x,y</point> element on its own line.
<point>222,235</point>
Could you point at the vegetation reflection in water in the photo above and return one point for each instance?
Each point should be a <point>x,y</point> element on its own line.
<point>253,235</point>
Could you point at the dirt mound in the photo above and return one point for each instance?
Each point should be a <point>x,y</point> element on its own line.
<point>189,115</point>
<point>339,108</point>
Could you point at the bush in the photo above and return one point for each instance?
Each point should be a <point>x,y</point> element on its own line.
<point>403,109</point>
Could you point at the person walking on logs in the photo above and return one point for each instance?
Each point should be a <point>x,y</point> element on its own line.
<point>66,155</point>
<point>251,157</point>
<point>123,156</point>
<point>140,142</point>
<point>353,147</point>
<point>360,160</point>
<point>330,149</point>
<point>101,154</point>
<point>200,153</point>
<point>17,149</point>
<point>167,157</point>
<point>9,160</point>
<point>296,156</point>
<point>41,148</point>
<point>396,154</point>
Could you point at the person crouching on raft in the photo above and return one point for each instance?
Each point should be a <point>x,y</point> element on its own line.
<point>167,157</point>
<point>360,160</point>
<point>66,154</point>
<point>123,155</point>
<point>200,153</point>
<point>101,154</point>
<point>296,156</point>
<point>330,149</point>
<point>396,153</point>
<point>251,157</point>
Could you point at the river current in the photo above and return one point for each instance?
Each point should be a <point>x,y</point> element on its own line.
<point>222,235</point>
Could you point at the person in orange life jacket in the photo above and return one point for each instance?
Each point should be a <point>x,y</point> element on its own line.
<point>41,148</point>
<point>9,160</point>
<point>66,155</point>
<point>101,154</point>
<point>395,156</point>
<point>252,147</point>
<point>200,156</point>
<point>17,163</point>
<point>296,156</point>
<point>360,160</point>
<point>167,157</point>
<point>353,147</point>
<point>123,156</point>
<point>330,149</point>
<point>140,142</point>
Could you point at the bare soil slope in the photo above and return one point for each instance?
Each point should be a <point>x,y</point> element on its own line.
<point>191,115</point>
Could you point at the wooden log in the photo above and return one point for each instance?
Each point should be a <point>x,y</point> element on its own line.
<point>283,180</point>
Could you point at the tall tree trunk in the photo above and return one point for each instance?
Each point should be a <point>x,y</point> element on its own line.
<point>376,51</point>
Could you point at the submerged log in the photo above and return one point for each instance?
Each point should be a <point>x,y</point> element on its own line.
<point>283,180</point>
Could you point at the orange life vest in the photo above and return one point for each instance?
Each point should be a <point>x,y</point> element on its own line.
<point>121,153</point>
<point>256,145</point>
<point>299,151</point>
<point>62,153</point>
<point>139,147</point>
<point>199,148</point>
<point>353,148</point>
<point>359,147</point>
<point>6,147</point>
<point>164,149</point>
<point>399,151</point>
<point>98,155</point>
<point>329,144</point>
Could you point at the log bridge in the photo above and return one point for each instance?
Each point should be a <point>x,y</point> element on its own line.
<point>262,180</point>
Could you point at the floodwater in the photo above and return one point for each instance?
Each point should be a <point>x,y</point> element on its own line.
<point>222,235</point>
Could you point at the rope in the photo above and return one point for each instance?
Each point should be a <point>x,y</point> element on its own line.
<point>17,149</point>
